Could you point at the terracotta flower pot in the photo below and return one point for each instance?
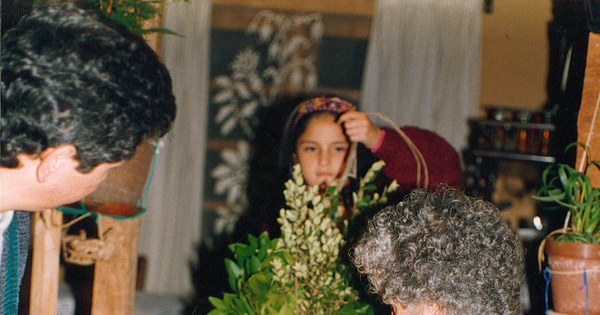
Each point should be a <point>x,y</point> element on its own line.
<point>120,193</point>
<point>567,263</point>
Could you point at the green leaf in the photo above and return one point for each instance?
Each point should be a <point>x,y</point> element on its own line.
<point>243,307</point>
<point>218,303</point>
<point>263,238</point>
<point>287,309</point>
<point>362,204</point>
<point>234,273</point>
<point>367,199</point>
<point>565,187</point>
<point>219,312</point>
<point>356,307</point>
<point>253,265</point>
<point>265,245</point>
<point>253,241</point>
<point>258,285</point>
<point>242,252</point>
<point>224,306</point>
<point>370,187</point>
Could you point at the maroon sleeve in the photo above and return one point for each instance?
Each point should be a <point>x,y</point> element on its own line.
<point>443,162</point>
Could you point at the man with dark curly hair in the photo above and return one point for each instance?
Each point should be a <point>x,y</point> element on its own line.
<point>442,253</point>
<point>79,94</point>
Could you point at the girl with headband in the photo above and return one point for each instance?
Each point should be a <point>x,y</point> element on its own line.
<point>326,134</point>
<point>321,131</point>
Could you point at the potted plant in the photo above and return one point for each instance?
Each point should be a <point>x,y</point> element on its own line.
<point>573,251</point>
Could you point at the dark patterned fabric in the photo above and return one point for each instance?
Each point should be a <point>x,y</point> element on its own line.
<point>14,259</point>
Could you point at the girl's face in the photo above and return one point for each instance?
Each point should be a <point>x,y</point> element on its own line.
<point>321,150</point>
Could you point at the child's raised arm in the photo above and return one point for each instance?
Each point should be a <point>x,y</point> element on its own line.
<point>359,128</point>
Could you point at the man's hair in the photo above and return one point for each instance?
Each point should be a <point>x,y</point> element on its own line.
<point>70,75</point>
<point>444,248</point>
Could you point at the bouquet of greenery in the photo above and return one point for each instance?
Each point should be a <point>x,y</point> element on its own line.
<point>300,272</point>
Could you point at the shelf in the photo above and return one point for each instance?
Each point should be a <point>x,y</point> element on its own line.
<point>512,124</point>
<point>514,156</point>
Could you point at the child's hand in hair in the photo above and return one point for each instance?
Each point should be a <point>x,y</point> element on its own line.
<point>359,128</point>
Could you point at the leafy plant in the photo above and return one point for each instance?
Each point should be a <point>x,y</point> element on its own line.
<point>299,272</point>
<point>563,186</point>
<point>367,194</point>
<point>133,14</point>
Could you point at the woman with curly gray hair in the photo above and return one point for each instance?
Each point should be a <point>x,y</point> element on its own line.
<point>442,253</point>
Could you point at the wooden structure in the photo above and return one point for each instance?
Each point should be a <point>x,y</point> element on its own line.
<point>341,18</point>
<point>588,120</point>
<point>115,276</point>
<point>114,279</point>
<point>45,263</point>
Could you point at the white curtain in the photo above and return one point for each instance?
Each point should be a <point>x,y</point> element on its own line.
<point>171,224</point>
<point>423,64</point>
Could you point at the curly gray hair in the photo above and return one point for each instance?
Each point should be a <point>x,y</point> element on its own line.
<point>443,248</point>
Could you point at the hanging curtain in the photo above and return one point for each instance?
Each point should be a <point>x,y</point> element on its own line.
<point>171,224</point>
<point>423,64</point>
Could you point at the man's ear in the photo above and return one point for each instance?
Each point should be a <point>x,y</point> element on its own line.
<point>54,159</point>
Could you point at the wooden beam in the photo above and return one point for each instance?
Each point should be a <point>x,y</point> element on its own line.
<point>237,15</point>
<point>337,7</point>
<point>46,232</point>
<point>590,99</point>
<point>113,292</point>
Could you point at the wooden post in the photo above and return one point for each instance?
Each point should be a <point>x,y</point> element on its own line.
<point>113,290</point>
<point>589,109</point>
<point>46,229</point>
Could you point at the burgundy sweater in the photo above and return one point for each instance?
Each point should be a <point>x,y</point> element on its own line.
<point>443,162</point>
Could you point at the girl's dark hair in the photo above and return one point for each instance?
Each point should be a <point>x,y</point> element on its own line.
<point>299,119</point>
<point>291,135</point>
<point>295,127</point>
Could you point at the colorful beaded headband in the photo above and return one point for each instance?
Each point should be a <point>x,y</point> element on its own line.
<point>322,104</point>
